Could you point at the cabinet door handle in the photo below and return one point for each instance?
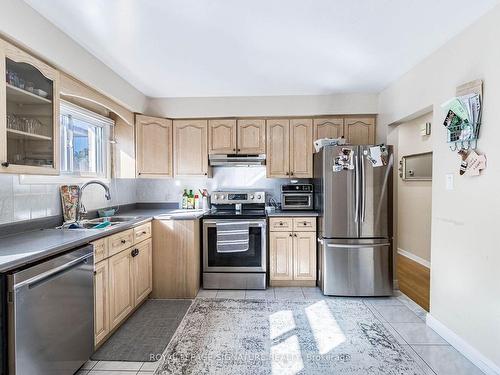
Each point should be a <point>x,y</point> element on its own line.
<point>5,164</point>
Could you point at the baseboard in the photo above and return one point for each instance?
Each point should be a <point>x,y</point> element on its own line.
<point>472,354</point>
<point>395,284</point>
<point>414,257</point>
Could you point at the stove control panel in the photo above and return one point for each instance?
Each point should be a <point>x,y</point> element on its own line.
<point>238,197</point>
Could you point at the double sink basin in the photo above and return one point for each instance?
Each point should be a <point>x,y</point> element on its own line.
<point>99,223</point>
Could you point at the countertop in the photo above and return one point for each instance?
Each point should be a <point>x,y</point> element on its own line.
<point>18,250</point>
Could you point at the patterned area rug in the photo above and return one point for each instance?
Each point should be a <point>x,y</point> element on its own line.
<point>331,336</point>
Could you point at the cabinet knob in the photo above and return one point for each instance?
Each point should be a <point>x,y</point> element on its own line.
<point>123,241</point>
<point>287,173</point>
<point>305,222</point>
<point>234,149</point>
<point>281,223</point>
<point>135,252</point>
<point>290,234</point>
<point>239,149</point>
<point>295,234</point>
<point>5,164</point>
<point>144,232</point>
<point>291,173</point>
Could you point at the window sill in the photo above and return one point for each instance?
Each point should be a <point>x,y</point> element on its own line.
<point>25,179</point>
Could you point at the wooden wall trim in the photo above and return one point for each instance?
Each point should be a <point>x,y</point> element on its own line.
<point>73,88</point>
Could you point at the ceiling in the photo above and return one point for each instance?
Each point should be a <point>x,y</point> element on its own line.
<point>200,48</point>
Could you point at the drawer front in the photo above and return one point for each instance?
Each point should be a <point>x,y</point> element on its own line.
<point>142,232</point>
<point>100,249</point>
<point>280,224</point>
<point>304,224</point>
<point>120,241</point>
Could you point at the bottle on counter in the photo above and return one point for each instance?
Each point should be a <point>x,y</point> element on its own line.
<point>190,204</point>
<point>196,202</point>
<point>184,204</point>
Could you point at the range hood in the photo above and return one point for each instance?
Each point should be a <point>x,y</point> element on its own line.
<point>237,160</point>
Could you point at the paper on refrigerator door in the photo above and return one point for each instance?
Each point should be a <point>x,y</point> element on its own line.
<point>344,160</point>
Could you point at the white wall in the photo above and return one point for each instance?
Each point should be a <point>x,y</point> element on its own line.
<point>21,23</point>
<point>263,105</point>
<point>414,198</point>
<point>465,277</point>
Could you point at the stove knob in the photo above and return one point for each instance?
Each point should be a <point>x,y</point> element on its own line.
<point>221,196</point>
<point>251,196</point>
<point>258,197</point>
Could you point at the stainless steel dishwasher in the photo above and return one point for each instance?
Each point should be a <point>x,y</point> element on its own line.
<point>51,315</point>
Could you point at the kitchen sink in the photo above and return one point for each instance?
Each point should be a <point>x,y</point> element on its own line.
<point>92,223</point>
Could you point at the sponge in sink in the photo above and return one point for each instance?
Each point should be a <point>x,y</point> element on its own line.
<point>102,225</point>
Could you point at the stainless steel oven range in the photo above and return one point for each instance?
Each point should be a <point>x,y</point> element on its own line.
<point>238,262</point>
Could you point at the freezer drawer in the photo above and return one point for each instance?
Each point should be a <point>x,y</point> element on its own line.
<point>356,267</point>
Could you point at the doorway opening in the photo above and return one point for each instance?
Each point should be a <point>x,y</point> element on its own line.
<point>412,140</point>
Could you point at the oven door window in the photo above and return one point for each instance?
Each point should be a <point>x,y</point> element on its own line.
<point>250,258</point>
<point>297,200</point>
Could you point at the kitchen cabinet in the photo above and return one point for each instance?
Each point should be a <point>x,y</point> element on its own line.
<point>29,114</point>
<point>101,301</point>
<point>176,258</point>
<point>121,287</point>
<point>251,136</point>
<point>328,127</point>
<point>281,255</point>
<point>304,255</point>
<point>359,130</point>
<point>153,147</point>
<point>292,253</point>
<point>222,136</point>
<point>190,148</point>
<point>289,145</point>
<point>278,148</point>
<point>301,148</point>
<point>143,271</point>
<point>122,277</point>
<point>124,163</point>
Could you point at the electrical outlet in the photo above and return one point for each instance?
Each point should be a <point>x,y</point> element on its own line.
<point>449,181</point>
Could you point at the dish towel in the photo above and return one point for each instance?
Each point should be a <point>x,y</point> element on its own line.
<point>232,237</point>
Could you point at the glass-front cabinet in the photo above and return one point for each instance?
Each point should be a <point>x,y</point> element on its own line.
<point>29,113</point>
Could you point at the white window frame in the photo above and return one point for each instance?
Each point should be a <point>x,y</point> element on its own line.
<point>65,178</point>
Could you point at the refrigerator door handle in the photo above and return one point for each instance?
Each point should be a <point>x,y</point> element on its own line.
<point>363,191</point>
<point>356,184</point>
<point>358,246</point>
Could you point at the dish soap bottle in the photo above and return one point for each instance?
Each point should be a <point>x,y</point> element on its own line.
<point>196,202</point>
<point>185,197</point>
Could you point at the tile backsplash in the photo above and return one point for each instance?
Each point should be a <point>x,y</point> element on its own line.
<point>20,202</point>
<point>224,178</point>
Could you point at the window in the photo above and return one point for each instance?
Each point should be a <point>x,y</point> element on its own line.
<point>84,142</point>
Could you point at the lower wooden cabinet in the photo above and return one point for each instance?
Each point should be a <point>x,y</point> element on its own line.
<point>304,256</point>
<point>176,254</point>
<point>121,286</point>
<point>292,255</point>
<point>143,271</point>
<point>122,281</point>
<point>101,304</point>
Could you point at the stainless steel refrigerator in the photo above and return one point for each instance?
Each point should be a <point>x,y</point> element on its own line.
<point>354,199</point>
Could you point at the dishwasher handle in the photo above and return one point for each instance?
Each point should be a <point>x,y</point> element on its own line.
<point>52,273</point>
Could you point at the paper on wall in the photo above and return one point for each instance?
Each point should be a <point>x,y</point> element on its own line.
<point>475,163</point>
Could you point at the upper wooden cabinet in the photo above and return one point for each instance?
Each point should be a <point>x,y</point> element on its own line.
<point>330,127</point>
<point>191,148</point>
<point>251,136</point>
<point>153,147</point>
<point>29,114</point>
<point>301,148</point>
<point>289,148</point>
<point>360,130</point>
<point>278,148</point>
<point>222,136</point>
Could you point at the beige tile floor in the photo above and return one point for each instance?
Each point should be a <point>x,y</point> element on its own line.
<point>399,314</point>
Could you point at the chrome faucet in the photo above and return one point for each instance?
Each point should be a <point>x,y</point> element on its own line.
<point>79,206</point>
